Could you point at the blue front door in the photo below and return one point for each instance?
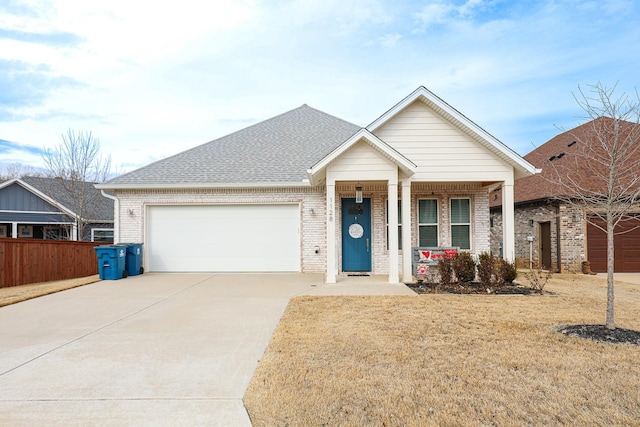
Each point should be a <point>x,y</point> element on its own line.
<point>356,235</point>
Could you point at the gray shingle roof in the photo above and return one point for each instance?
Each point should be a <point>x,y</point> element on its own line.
<point>97,207</point>
<point>277,150</point>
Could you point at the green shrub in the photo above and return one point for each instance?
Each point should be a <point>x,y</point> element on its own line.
<point>464,267</point>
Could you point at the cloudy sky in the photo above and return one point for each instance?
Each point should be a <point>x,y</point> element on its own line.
<point>152,78</point>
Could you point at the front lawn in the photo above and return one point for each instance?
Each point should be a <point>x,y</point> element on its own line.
<point>443,359</point>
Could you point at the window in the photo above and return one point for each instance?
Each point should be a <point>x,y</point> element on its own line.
<point>53,233</point>
<point>461,223</point>
<point>428,222</point>
<point>102,235</point>
<point>399,224</point>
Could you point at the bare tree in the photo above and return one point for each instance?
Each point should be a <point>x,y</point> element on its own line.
<point>78,164</point>
<point>601,176</point>
<point>19,170</point>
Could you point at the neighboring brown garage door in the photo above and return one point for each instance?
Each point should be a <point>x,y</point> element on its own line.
<point>626,243</point>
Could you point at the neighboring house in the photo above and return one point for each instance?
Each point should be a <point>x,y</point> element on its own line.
<point>307,191</point>
<point>555,235</point>
<point>43,208</point>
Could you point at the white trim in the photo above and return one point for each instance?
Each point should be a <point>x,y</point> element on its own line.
<point>186,186</point>
<point>392,196</point>
<point>406,165</point>
<point>34,212</point>
<point>460,120</point>
<point>40,223</point>
<point>332,241</point>
<point>407,271</point>
<point>116,216</point>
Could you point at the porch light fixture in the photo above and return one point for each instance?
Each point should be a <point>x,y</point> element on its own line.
<point>530,223</point>
<point>358,193</point>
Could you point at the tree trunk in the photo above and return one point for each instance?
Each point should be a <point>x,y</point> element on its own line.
<point>610,267</point>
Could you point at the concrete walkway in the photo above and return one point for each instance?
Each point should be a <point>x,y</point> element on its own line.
<point>156,349</point>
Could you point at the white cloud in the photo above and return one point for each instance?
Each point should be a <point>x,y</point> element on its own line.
<point>390,40</point>
<point>151,79</point>
<point>434,13</point>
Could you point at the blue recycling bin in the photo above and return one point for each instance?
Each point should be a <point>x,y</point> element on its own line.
<point>133,261</point>
<point>111,261</point>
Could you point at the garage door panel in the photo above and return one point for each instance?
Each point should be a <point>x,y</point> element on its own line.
<point>626,244</point>
<point>224,238</point>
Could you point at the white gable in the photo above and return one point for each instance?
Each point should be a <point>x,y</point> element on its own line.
<point>440,150</point>
<point>362,160</point>
<point>371,154</point>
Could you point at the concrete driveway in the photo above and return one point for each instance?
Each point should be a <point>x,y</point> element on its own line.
<point>156,349</point>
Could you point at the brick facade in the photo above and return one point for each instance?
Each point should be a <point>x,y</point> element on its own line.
<point>312,201</point>
<point>562,220</point>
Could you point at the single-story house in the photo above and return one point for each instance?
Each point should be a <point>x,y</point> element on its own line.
<point>553,234</point>
<point>46,208</point>
<point>307,191</point>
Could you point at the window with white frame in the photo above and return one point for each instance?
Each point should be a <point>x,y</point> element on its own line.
<point>102,235</point>
<point>428,222</point>
<point>461,223</point>
<point>399,224</point>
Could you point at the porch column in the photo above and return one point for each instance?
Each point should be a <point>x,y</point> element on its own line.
<point>393,231</point>
<point>331,234</point>
<point>508,222</point>
<point>14,230</point>
<point>407,271</point>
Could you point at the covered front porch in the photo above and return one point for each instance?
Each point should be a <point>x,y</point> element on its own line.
<point>366,232</point>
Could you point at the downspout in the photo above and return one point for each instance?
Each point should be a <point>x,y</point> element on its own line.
<point>116,216</point>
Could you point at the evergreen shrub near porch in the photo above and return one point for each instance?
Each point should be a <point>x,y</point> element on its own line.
<point>461,270</point>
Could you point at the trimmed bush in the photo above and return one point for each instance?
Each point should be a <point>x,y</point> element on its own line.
<point>445,268</point>
<point>464,267</point>
<point>487,269</point>
<point>507,271</point>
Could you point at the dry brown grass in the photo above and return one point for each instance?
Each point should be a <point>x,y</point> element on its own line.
<point>15,294</point>
<point>450,360</point>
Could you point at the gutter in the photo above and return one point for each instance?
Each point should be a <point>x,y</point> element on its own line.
<point>116,216</point>
<point>187,186</point>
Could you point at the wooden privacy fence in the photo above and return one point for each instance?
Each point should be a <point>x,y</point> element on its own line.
<point>24,261</point>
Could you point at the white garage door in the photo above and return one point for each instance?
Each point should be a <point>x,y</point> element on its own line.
<point>223,238</point>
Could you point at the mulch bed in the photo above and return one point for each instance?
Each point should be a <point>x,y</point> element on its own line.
<point>602,333</point>
<point>471,288</point>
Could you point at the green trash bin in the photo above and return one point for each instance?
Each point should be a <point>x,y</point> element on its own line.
<point>133,259</point>
<point>111,262</point>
